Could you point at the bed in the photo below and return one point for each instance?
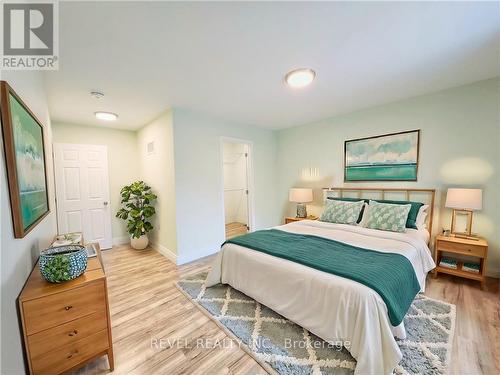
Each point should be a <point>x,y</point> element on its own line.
<point>330,306</point>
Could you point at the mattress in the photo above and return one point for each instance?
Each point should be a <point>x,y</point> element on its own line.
<point>332,307</point>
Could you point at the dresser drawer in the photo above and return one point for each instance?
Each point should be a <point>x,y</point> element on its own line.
<point>67,333</point>
<point>54,310</point>
<point>462,248</point>
<point>64,358</point>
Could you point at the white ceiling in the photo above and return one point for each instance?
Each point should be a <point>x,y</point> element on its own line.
<point>229,59</point>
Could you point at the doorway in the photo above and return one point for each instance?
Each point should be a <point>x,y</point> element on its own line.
<point>82,192</point>
<point>236,165</point>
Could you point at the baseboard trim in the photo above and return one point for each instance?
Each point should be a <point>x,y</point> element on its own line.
<point>192,257</point>
<point>117,241</point>
<point>493,272</point>
<point>167,253</point>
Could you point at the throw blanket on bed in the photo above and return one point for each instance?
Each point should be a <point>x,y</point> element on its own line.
<point>390,275</point>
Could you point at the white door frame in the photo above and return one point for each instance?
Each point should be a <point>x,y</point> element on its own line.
<point>250,181</point>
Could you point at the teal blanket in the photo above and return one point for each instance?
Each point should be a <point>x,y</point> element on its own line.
<point>390,275</point>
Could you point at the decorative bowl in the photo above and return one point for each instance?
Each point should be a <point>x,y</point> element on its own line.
<point>63,263</point>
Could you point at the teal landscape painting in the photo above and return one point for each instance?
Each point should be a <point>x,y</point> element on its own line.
<point>392,157</point>
<point>30,165</point>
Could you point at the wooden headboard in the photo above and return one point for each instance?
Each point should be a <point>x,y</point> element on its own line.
<point>426,196</point>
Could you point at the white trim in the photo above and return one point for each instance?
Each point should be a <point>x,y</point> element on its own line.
<point>250,182</point>
<point>192,257</point>
<point>493,272</point>
<point>118,241</point>
<point>167,253</point>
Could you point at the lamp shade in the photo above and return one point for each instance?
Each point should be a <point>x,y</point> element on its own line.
<point>466,199</point>
<point>300,195</point>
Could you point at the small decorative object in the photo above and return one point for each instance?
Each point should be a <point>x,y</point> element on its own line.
<point>24,161</point>
<point>471,267</point>
<point>463,202</point>
<point>390,157</point>
<point>301,196</point>
<point>63,263</point>
<point>91,250</point>
<point>136,200</point>
<point>448,263</point>
<point>75,238</point>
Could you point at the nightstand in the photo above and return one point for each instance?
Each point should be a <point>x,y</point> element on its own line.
<point>290,219</point>
<point>461,246</point>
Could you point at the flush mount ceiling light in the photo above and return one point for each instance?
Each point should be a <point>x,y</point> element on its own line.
<point>300,77</point>
<point>96,94</point>
<point>106,116</point>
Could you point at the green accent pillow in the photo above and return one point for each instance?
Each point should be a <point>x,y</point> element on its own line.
<point>342,212</point>
<point>411,221</point>
<point>388,217</point>
<point>352,200</point>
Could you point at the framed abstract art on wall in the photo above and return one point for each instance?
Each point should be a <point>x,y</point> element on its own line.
<point>24,160</point>
<point>389,157</point>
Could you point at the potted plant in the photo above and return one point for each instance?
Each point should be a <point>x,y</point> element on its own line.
<point>137,208</point>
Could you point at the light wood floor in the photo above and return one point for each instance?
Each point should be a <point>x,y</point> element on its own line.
<point>145,305</point>
<point>235,229</point>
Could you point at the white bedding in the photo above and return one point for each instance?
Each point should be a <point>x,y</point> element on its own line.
<point>332,307</point>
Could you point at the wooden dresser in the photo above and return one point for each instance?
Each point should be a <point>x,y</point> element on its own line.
<point>66,325</point>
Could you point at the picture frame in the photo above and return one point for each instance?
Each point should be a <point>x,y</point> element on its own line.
<point>387,157</point>
<point>25,162</point>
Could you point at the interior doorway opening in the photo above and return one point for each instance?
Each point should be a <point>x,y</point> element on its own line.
<point>236,174</point>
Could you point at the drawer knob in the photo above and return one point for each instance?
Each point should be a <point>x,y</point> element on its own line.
<point>68,307</point>
<point>73,333</point>
<point>72,354</point>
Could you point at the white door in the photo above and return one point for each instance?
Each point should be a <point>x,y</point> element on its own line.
<point>82,191</point>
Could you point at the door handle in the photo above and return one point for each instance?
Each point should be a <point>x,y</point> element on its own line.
<point>105,203</point>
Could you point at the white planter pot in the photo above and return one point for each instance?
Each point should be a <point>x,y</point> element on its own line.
<point>139,243</point>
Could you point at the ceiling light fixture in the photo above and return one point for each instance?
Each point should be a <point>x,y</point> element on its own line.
<point>106,116</point>
<point>96,94</point>
<point>298,78</point>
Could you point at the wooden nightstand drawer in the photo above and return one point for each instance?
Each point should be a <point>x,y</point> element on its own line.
<point>51,311</point>
<point>66,334</point>
<point>462,248</point>
<point>62,359</point>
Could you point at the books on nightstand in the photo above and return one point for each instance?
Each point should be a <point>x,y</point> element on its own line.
<point>471,267</point>
<point>448,263</point>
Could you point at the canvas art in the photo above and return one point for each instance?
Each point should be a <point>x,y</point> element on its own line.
<point>391,157</point>
<point>25,162</point>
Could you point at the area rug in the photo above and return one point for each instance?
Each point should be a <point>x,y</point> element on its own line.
<point>283,347</point>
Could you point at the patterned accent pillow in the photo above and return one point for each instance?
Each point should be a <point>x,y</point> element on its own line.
<point>342,212</point>
<point>385,216</point>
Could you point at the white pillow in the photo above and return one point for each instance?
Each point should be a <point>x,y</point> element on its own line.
<point>421,216</point>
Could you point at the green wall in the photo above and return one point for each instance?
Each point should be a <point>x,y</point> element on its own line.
<point>459,147</point>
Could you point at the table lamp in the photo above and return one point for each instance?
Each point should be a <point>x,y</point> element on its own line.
<point>301,196</point>
<point>464,202</point>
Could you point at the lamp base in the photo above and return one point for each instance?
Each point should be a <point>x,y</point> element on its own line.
<point>468,225</point>
<point>301,210</point>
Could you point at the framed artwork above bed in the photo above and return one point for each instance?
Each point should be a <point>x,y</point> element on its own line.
<point>24,160</point>
<point>389,157</point>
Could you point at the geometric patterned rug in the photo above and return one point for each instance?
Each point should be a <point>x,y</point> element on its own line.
<point>283,347</point>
